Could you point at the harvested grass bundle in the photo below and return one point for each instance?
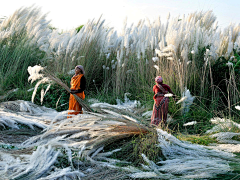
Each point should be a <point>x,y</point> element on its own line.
<point>59,82</point>
<point>90,136</point>
<point>92,129</point>
<point>46,76</point>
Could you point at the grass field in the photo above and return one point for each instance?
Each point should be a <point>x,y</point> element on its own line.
<point>199,61</point>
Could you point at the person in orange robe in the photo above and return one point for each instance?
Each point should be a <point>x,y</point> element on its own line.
<point>78,85</point>
<point>160,107</point>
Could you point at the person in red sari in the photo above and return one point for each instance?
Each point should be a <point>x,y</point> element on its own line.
<point>78,84</point>
<point>160,107</point>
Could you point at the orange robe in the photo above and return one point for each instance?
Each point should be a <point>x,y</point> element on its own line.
<point>73,104</point>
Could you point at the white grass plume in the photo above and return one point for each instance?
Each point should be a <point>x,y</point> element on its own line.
<point>222,124</point>
<point>35,73</point>
<point>226,137</point>
<point>36,166</point>
<point>181,100</point>
<point>65,173</point>
<point>190,123</point>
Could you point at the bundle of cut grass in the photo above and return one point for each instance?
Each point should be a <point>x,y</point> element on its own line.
<point>70,141</point>
<point>47,77</point>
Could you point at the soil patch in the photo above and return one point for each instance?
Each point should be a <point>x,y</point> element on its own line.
<point>17,136</point>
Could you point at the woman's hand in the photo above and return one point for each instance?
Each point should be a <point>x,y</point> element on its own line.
<point>73,91</point>
<point>175,98</point>
<point>158,94</point>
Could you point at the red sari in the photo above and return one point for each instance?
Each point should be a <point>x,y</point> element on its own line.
<point>160,107</point>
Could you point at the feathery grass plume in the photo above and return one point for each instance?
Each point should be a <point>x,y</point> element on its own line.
<point>80,130</point>
<point>190,123</point>
<point>185,160</point>
<point>90,132</point>
<point>157,68</point>
<point>26,39</point>
<point>34,73</point>
<point>126,105</point>
<point>182,99</point>
<point>20,42</point>
<point>237,107</point>
<point>222,125</point>
<point>233,148</point>
<point>193,33</point>
<point>226,137</point>
<point>229,64</point>
<point>192,155</point>
<point>147,114</point>
<point>36,167</point>
<point>25,108</point>
<point>39,167</point>
<point>65,173</point>
<point>187,102</point>
<point>168,95</point>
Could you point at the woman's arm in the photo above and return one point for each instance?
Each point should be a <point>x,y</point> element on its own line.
<point>174,96</point>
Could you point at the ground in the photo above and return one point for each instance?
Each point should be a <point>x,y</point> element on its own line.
<point>16,136</point>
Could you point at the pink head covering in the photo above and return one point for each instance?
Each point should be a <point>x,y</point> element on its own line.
<point>158,79</point>
<point>80,67</point>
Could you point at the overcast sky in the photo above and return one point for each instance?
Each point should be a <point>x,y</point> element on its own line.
<point>68,14</point>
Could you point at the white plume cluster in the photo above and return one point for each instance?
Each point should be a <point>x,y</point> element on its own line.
<point>87,134</point>
<point>177,40</point>
<point>138,51</point>
<point>190,123</point>
<point>222,132</point>
<point>185,160</point>
<point>186,100</point>
<point>222,124</point>
<point>35,74</point>
<point>233,148</point>
<point>27,20</point>
<point>39,165</point>
<point>226,137</point>
<point>127,104</point>
<point>24,112</point>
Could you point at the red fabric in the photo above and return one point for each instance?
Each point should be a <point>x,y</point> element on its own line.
<point>160,107</point>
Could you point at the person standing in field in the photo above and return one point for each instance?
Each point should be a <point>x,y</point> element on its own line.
<point>78,85</point>
<point>160,107</point>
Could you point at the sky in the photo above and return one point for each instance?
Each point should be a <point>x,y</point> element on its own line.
<point>68,14</point>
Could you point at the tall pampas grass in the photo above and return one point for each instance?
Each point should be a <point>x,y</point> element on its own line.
<point>21,36</point>
<point>178,42</point>
<point>47,77</point>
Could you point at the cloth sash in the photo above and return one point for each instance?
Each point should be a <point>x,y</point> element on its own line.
<point>162,89</point>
